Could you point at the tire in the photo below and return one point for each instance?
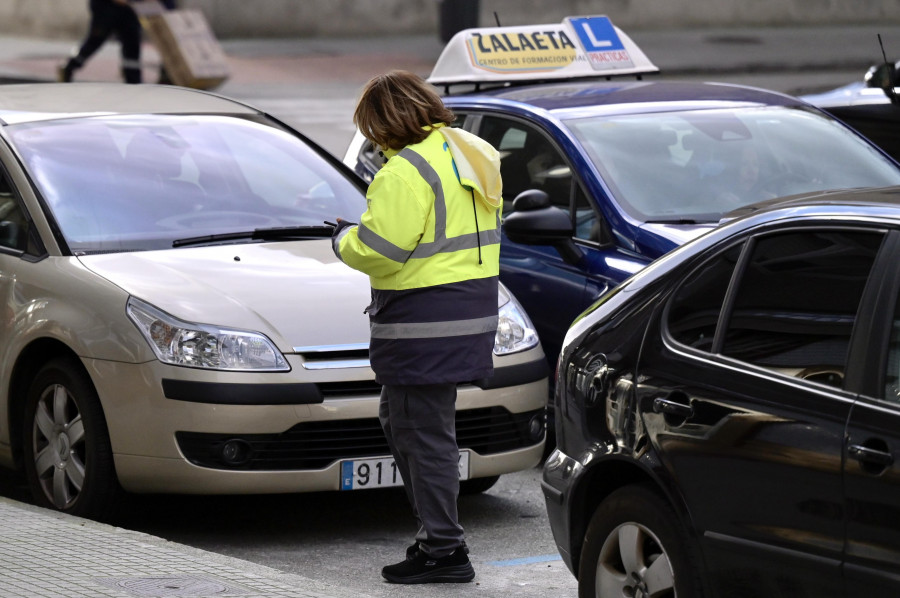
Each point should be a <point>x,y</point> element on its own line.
<point>68,457</point>
<point>477,485</point>
<point>635,547</point>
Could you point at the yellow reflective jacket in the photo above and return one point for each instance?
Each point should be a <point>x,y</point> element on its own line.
<point>420,228</point>
<point>430,243</point>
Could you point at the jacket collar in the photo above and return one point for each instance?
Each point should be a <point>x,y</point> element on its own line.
<point>389,153</point>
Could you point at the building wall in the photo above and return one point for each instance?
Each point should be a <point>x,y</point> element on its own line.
<point>311,18</point>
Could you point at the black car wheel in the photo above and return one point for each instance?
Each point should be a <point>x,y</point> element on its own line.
<point>634,547</point>
<point>68,458</point>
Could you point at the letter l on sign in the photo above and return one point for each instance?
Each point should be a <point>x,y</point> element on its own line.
<point>594,41</point>
<point>597,34</point>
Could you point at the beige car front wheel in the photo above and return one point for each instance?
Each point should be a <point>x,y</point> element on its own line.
<point>68,458</point>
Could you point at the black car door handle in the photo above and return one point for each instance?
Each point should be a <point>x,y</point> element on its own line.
<point>869,455</point>
<point>672,408</point>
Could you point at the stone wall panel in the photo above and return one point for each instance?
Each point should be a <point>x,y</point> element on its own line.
<point>313,18</point>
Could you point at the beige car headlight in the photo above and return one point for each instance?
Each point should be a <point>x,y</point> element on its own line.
<point>515,332</point>
<point>203,346</point>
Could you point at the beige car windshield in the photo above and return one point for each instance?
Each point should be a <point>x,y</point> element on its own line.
<point>122,183</point>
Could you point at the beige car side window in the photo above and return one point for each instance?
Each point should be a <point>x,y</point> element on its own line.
<point>13,225</point>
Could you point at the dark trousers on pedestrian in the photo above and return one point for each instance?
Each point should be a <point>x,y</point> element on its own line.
<point>108,18</point>
<point>420,425</point>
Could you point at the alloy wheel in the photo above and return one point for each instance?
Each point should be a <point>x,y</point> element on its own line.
<point>634,564</point>
<point>59,446</point>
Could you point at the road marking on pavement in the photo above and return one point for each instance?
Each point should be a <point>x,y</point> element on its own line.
<point>526,560</point>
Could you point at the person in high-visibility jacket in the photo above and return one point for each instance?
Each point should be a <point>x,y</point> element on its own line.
<point>430,243</point>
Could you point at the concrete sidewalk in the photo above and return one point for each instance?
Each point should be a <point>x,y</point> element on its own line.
<point>44,554</point>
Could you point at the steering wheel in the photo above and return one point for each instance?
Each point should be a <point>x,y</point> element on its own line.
<point>785,183</point>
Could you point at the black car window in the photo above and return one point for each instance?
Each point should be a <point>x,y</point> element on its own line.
<point>797,300</point>
<point>892,380</point>
<point>13,224</point>
<point>878,122</point>
<point>694,311</point>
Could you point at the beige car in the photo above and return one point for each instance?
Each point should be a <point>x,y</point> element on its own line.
<point>174,319</point>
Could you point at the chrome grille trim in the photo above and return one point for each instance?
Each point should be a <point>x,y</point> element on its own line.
<point>336,364</point>
<point>334,357</point>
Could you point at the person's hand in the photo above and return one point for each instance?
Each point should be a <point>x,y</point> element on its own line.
<point>341,225</point>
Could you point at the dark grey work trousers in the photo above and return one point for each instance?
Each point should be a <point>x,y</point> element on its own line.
<point>420,425</point>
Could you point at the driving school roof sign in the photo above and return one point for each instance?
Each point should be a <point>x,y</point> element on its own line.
<point>577,47</point>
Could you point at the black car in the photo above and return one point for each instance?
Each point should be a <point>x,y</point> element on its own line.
<point>871,106</point>
<point>728,419</point>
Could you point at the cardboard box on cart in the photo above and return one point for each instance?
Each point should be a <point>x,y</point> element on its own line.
<point>189,50</point>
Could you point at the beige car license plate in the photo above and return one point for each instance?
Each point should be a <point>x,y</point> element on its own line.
<point>381,472</point>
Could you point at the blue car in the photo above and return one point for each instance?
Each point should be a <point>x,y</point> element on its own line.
<point>605,170</point>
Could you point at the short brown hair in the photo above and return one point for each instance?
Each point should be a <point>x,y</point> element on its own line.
<point>395,108</point>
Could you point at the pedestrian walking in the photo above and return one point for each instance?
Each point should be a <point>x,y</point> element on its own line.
<point>430,243</point>
<point>164,77</point>
<point>108,17</point>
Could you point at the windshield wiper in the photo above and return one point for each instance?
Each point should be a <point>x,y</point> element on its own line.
<point>287,233</point>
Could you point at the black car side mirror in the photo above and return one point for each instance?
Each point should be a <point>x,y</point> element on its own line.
<point>886,77</point>
<point>534,221</point>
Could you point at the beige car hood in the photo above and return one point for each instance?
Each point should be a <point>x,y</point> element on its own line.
<point>296,293</point>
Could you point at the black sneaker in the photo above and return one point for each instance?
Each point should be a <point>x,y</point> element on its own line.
<point>422,568</point>
<point>413,549</point>
<point>65,71</point>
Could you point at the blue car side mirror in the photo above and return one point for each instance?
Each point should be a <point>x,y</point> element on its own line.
<point>534,221</point>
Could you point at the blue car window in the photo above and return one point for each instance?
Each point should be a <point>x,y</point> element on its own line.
<point>697,165</point>
<point>528,160</point>
<point>588,224</point>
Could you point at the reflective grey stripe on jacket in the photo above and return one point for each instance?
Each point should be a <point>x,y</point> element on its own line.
<point>441,243</point>
<point>336,242</point>
<point>398,330</point>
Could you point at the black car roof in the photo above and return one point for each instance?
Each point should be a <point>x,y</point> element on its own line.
<point>869,201</point>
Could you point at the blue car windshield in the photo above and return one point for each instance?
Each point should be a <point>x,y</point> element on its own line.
<point>695,166</point>
<point>139,182</point>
